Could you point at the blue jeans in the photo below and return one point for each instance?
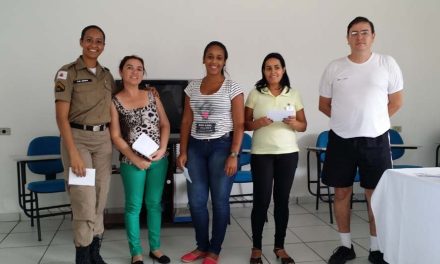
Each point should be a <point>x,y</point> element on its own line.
<point>206,167</point>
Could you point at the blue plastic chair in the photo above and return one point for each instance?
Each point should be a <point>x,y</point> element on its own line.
<point>243,176</point>
<point>47,145</point>
<point>327,196</point>
<point>397,153</point>
<point>245,157</point>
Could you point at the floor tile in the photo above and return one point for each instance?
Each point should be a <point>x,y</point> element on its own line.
<point>22,255</point>
<point>46,225</point>
<point>298,220</point>
<point>60,254</point>
<point>362,214</point>
<point>315,233</point>
<point>235,255</point>
<point>236,239</point>
<point>178,231</point>
<point>310,207</point>
<point>6,227</point>
<point>310,238</point>
<point>244,212</point>
<point>63,237</point>
<point>360,230</point>
<point>66,225</point>
<point>363,242</point>
<point>27,239</point>
<point>297,209</point>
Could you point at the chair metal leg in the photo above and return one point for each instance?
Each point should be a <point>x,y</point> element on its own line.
<point>32,208</point>
<point>330,209</point>
<point>437,163</point>
<point>38,217</point>
<point>318,182</point>
<point>318,194</point>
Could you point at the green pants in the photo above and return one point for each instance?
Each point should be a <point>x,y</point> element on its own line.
<point>142,185</point>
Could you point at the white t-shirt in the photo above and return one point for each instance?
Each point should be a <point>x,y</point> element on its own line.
<point>359,94</point>
<point>212,113</point>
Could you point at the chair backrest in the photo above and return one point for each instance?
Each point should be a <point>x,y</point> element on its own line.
<point>245,158</point>
<point>46,145</point>
<point>321,142</point>
<point>396,139</point>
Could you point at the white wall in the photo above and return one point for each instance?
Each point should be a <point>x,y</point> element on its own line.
<point>37,37</point>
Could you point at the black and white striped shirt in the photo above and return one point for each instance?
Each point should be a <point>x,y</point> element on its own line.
<point>212,113</point>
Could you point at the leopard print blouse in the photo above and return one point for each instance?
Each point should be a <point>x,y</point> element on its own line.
<point>135,121</point>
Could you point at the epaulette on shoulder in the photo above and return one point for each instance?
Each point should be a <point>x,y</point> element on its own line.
<point>68,66</point>
<point>105,68</point>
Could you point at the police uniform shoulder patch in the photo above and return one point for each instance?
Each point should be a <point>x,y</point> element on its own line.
<point>62,75</point>
<point>59,87</point>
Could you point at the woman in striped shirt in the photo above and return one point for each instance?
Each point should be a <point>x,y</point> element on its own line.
<point>211,133</point>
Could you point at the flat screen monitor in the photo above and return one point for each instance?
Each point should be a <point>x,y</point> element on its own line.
<point>172,96</point>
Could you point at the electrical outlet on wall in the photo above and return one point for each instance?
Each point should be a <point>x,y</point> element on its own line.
<point>5,131</point>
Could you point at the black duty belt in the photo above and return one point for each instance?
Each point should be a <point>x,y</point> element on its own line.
<point>89,128</point>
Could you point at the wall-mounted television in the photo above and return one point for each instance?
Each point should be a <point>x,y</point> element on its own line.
<point>172,96</point>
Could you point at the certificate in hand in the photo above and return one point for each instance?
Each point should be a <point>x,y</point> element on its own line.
<point>279,115</point>
<point>145,145</point>
<point>88,180</point>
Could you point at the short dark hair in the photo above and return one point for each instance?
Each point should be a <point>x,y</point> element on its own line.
<point>360,19</point>
<point>220,45</point>
<point>284,80</point>
<point>83,32</point>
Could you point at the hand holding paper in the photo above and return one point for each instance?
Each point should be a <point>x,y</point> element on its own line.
<point>88,180</point>
<point>279,115</point>
<point>145,145</point>
<point>186,174</point>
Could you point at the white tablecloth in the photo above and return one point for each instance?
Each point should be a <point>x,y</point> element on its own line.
<point>406,206</point>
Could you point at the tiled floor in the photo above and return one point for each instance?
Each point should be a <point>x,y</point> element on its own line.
<point>310,239</point>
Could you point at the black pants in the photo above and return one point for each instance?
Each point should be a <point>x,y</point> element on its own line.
<point>277,170</point>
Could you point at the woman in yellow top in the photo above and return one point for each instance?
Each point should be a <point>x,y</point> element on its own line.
<point>274,150</point>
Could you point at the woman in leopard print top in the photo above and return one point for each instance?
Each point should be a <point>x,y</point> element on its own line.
<point>136,111</point>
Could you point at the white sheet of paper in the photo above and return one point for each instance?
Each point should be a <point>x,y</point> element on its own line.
<point>186,174</point>
<point>88,180</point>
<point>145,145</point>
<point>279,115</point>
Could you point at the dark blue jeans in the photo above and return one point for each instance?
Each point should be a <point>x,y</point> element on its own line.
<point>206,167</point>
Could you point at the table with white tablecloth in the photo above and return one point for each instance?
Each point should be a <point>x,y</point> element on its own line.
<point>406,206</point>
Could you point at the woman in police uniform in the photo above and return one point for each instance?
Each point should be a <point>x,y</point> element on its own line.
<point>83,92</point>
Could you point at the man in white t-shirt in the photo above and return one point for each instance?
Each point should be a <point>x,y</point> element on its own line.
<point>359,93</point>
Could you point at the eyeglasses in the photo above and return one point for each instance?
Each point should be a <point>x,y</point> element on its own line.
<point>362,33</point>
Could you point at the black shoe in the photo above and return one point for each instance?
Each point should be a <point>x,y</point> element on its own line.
<point>137,261</point>
<point>286,260</point>
<point>376,257</point>
<point>341,255</point>
<point>95,257</point>
<point>82,255</point>
<point>161,259</point>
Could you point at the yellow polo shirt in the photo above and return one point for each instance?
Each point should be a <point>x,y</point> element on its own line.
<point>276,138</point>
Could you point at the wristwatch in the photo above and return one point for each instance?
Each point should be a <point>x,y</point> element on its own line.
<point>233,154</point>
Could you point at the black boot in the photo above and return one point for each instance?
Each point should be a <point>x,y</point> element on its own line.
<point>82,255</point>
<point>95,257</point>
